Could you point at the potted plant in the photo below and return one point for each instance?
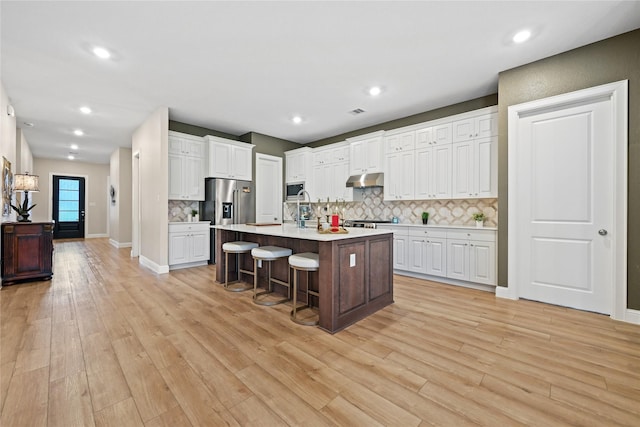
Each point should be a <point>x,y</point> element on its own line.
<point>23,211</point>
<point>425,217</point>
<point>194,215</point>
<point>479,219</point>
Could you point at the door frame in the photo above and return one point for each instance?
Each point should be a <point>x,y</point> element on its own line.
<point>618,93</point>
<point>86,186</point>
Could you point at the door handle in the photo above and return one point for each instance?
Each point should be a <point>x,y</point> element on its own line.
<point>602,232</point>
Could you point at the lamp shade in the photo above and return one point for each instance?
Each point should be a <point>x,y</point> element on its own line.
<point>25,182</point>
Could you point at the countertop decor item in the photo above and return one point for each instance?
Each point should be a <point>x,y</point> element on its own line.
<point>425,217</point>
<point>24,183</point>
<point>479,219</point>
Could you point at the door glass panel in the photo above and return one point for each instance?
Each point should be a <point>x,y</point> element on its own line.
<point>69,200</point>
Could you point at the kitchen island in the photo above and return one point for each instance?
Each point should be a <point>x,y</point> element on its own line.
<point>355,278</point>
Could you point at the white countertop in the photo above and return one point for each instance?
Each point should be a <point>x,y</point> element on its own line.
<point>437,226</point>
<point>293,232</point>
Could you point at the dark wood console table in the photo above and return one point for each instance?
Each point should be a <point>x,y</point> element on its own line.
<point>27,251</point>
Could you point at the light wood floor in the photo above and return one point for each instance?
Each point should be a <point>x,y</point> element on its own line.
<point>109,343</point>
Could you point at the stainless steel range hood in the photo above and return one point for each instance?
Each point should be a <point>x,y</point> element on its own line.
<point>366,180</point>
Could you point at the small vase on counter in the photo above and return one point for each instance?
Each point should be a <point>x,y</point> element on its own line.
<point>479,219</point>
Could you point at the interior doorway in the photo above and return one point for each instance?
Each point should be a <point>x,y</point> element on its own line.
<point>68,207</point>
<point>567,199</point>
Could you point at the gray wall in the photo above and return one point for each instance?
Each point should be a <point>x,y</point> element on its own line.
<point>610,60</point>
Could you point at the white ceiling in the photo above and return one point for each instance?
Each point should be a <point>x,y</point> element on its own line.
<point>241,66</point>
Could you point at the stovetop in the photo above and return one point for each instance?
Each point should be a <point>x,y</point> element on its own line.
<point>365,223</point>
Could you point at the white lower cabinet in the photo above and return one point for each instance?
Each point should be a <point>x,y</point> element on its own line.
<point>471,256</point>
<point>454,253</point>
<point>400,249</point>
<point>188,244</point>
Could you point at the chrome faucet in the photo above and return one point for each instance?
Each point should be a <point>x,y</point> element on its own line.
<point>299,217</point>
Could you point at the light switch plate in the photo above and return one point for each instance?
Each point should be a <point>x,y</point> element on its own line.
<point>352,260</point>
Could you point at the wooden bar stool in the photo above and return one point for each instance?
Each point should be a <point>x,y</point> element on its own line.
<point>269,254</point>
<point>306,261</point>
<point>238,247</point>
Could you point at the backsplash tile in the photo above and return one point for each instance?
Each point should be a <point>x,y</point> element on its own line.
<point>441,212</point>
<point>179,210</point>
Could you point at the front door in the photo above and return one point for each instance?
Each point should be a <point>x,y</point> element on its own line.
<point>68,207</point>
<point>565,199</point>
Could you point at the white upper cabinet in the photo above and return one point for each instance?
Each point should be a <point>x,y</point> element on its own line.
<point>330,173</point>
<point>434,135</point>
<point>365,153</point>
<point>474,167</point>
<point>230,159</point>
<point>298,164</point>
<point>187,165</point>
<point>481,126</point>
<point>433,172</point>
<point>404,141</point>
<point>399,178</point>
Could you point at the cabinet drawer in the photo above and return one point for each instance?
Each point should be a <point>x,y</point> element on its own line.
<point>480,235</point>
<point>188,226</point>
<point>417,232</point>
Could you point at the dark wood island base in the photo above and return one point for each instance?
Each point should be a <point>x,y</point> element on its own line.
<point>355,278</point>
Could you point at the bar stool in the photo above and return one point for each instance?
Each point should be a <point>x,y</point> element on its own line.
<point>306,261</point>
<point>238,247</point>
<point>269,254</point>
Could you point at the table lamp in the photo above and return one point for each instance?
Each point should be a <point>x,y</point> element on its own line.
<point>24,183</point>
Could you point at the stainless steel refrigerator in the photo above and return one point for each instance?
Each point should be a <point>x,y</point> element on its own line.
<point>227,201</point>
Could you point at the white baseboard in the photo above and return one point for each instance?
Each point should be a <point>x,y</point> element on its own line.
<point>119,245</point>
<point>446,280</point>
<point>505,292</point>
<point>631,316</point>
<point>156,268</point>
<point>95,236</point>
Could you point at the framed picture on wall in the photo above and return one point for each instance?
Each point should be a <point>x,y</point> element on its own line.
<point>7,185</point>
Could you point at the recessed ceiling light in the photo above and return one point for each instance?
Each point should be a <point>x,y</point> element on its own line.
<point>522,36</point>
<point>297,120</point>
<point>85,110</point>
<point>101,52</point>
<point>375,91</point>
<point>74,146</point>
<point>70,157</point>
<point>78,132</point>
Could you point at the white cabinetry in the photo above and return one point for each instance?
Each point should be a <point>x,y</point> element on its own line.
<point>480,126</point>
<point>365,153</point>
<point>187,164</point>
<point>471,256</point>
<point>474,167</point>
<point>400,247</point>
<point>433,135</point>
<point>429,251</point>
<point>188,244</point>
<point>230,159</point>
<point>399,177</point>
<point>330,173</point>
<point>475,156</point>
<point>433,172</point>
<point>451,253</point>
<point>298,164</point>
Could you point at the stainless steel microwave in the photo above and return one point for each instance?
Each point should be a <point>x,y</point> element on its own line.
<point>293,188</point>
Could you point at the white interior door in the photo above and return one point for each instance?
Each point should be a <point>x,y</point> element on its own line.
<point>565,200</point>
<point>268,188</point>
